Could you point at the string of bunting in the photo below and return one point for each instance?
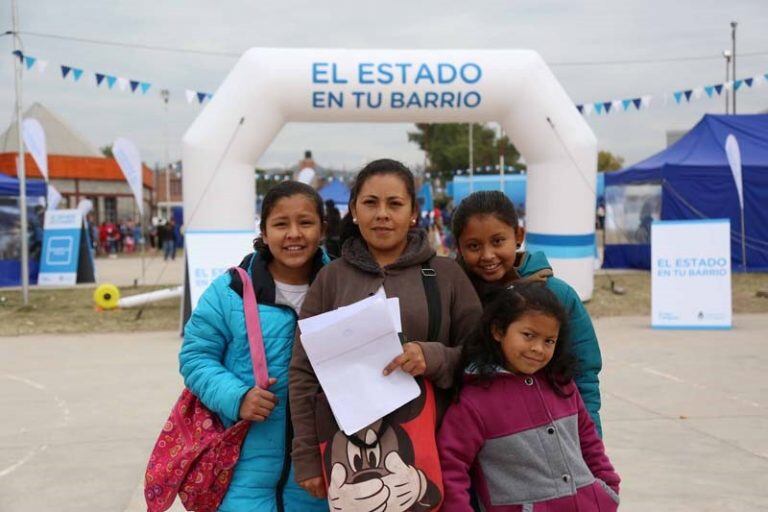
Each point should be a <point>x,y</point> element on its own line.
<point>598,108</point>
<point>681,96</point>
<point>106,79</point>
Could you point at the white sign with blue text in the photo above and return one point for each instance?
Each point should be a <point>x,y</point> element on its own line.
<point>691,274</point>
<point>210,254</point>
<point>61,248</point>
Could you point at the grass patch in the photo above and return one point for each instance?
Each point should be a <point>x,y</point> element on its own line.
<point>72,310</point>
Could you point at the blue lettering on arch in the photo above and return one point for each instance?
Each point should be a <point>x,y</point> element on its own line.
<point>319,69</point>
<point>466,77</point>
<point>424,74</point>
<point>337,98</point>
<point>475,99</point>
<point>385,70</point>
<point>441,77</point>
<point>365,70</point>
<point>317,99</point>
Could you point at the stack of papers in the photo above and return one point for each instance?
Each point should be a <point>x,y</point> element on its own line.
<point>349,349</point>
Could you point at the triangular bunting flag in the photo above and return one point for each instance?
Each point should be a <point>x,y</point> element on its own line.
<point>209,96</point>
<point>688,94</point>
<point>587,109</point>
<point>698,92</point>
<point>201,97</point>
<point>748,81</point>
<point>758,80</point>
<point>580,108</point>
<point>65,71</point>
<point>41,65</point>
<point>599,108</point>
<point>134,85</point>
<point>616,105</point>
<point>607,106</point>
<point>636,102</point>
<point>19,55</point>
<point>710,89</point>
<point>719,88</point>
<point>737,84</point>
<point>678,96</point>
<point>626,104</point>
<point>99,79</point>
<point>646,101</point>
<point>77,73</point>
<point>29,61</point>
<point>766,77</point>
<point>728,86</point>
<point>145,87</point>
<point>111,81</point>
<point>122,83</point>
<point>190,95</point>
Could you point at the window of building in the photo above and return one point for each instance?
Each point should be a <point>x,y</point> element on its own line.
<point>110,209</point>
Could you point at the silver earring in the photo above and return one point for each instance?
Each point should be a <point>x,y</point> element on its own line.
<point>354,220</point>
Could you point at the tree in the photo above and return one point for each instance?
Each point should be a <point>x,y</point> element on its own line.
<point>607,161</point>
<point>447,147</point>
<point>107,151</point>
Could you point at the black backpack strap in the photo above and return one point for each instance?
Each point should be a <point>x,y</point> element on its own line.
<point>434,308</point>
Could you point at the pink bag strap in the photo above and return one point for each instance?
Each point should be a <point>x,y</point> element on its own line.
<point>253,326</point>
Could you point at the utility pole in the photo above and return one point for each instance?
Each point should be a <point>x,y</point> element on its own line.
<point>727,56</point>
<point>18,57</point>
<point>733,62</point>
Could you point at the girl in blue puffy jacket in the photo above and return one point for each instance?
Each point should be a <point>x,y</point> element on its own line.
<point>215,358</point>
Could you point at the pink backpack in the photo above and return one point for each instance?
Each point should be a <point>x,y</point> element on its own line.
<point>194,456</point>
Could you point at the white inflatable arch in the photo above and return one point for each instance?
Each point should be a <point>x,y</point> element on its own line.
<point>268,88</point>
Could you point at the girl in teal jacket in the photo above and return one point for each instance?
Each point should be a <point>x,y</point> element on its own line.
<point>489,236</point>
<point>215,358</point>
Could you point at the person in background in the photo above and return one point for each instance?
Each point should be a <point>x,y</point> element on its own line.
<point>168,241</point>
<point>333,233</point>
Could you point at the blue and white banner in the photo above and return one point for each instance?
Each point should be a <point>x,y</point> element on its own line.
<point>691,274</point>
<point>129,160</point>
<point>61,248</point>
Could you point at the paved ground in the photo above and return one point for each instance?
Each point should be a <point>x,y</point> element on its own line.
<point>123,270</point>
<point>685,416</point>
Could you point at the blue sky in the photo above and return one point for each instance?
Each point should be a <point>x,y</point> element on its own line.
<point>568,34</point>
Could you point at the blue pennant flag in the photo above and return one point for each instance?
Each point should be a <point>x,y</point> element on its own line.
<point>626,104</point>
<point>678,96</point>
<point>607,106</point>
<point>111,81</point>
<point>29,61</point>
<point>719,88</point>
<point>748,81</point>
<point>209,96</point>
<point>737,84</point>
<point>145,87</point>
<point>134,85</point>
<point>580,108</point>
<point>99,79</point>
<point>599,108</point>
<point>637,102</point>
<point>765,76</point>
<point>201,97</point>
<point>688,95</point>
<point>710,89</point>
<point>77,73</point>
<point>65,71</point>
<point>18,54</point>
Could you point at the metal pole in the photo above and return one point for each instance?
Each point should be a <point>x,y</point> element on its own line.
<point>471,158</point>
<point>166,95</point>
<point>501,159</point>
<point>733,62</point>
<point>20,169</point>
<point>743,242</point>
<point>727,77</point>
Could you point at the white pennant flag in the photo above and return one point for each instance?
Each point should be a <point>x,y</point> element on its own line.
<point>645,102</point>
<point>190,96</point>
<point>757,80</point>
<point>616,106</point>
<point>734,161</point>
<point>34,138</point>
<point>697,93</point>
<point>128,158</point>
<point>41,65</point>
<point>122,83</point>
<point>587,109</point>
<point>54,198</point>
<point>728,85</point>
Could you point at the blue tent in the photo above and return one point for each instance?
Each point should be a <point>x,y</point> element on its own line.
<point>10,187</point>
<point>337,191</point>
<point>10,267</point>
<point>695,181</point>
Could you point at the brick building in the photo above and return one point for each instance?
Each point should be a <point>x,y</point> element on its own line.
<point>78,170</point>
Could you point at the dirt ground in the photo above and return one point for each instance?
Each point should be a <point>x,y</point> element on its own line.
<point>73,311</point>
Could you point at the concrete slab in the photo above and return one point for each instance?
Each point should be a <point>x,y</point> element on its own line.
<point>684,415</point>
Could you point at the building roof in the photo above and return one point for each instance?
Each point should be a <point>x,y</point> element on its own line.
<point>60,138</point>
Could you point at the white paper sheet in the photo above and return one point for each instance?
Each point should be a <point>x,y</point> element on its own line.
<point>349,348</point>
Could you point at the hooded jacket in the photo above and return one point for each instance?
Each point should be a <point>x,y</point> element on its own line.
<point>581,333</point>
<point>215,361</point>
<point>524,447</point>
<point>357,275</point>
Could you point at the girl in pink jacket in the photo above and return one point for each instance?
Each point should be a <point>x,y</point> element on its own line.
<point>519,434</point>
